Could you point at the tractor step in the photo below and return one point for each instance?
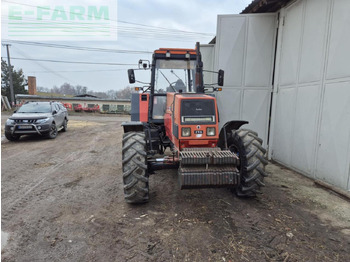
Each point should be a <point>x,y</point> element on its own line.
<point>195,177</point>
<point>210,156</point>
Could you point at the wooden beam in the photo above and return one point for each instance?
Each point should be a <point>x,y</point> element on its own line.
<point>341,192</point>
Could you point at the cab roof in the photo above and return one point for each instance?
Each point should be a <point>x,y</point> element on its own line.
<point>175,51</point>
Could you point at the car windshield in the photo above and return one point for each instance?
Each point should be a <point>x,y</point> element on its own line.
<point>174,75</point>
<point>35,108</point>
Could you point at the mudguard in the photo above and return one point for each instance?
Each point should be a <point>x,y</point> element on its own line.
<point>132,126</point>
<point>226,131</point>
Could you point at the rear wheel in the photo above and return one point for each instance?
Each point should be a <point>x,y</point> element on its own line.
<point>11,137</point>
<point>65,125</point>
<point>248,146</point>
<point>135,175</point>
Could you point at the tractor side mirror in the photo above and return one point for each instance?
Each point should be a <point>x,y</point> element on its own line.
<point>131,75</point>
<point>221,78</point>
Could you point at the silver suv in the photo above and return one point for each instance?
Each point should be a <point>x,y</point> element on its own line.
<point>43,118</point>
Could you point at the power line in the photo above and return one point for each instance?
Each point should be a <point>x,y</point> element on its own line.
<point>183,31</point>
<point>79,71</point>
<point>145,35</point>
<point>72,27</point>
<point>127,32</point>
<point>82,48</point>
<point>50,23</point>
<point>42,66</point>
<point>70,62</point>
<point>121,21</point>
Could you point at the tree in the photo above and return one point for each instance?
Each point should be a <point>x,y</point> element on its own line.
<point>125,93</point>
<point>112,94</point>
<point>67,89</point>
<point>18,80</point>
<point>84,90</point>
<point>43,89</point>
<point>78,89</point>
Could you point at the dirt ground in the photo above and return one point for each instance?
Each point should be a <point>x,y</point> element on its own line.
<point>62,200</point>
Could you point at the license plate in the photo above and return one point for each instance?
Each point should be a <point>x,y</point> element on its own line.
<point>198,131</point>
<point>25,127</point>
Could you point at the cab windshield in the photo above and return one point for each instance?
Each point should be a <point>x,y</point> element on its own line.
<point>174,75</point>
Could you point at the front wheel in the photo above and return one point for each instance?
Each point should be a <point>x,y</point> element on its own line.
<point>134,162</point>
<point>11,137</point>
<point>251,153</point>
<point>53,131</point>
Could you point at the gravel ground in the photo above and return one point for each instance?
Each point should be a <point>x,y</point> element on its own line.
<point>62,200</point>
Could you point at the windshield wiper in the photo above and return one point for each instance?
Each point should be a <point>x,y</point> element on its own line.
<point>167,80</point>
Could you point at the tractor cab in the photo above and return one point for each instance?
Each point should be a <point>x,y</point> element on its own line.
<point>172,70</point>
<point>174,75</point>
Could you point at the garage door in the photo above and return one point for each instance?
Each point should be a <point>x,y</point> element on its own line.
<point>245,51</point>
<point>311,113</point>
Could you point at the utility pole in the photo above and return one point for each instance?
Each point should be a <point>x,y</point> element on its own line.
<point>10,74</point>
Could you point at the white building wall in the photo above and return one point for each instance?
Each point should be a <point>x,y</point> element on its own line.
<point>311,109</point>
<point>244,49</point>
<point>208,52</point>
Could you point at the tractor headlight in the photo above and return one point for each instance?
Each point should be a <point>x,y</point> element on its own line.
<point>186,131</point>
<point>210,131</point>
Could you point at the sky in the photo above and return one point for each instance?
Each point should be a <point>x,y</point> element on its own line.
<point>157,24</point>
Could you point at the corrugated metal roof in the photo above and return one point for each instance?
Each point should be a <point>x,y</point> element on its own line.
<point>265,6</point>
<point>86,95</point>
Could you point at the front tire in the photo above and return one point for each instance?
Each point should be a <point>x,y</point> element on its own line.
<point>134,162</point>
<point>248,146</point>
<point>53,131</point>
<point>11,137</point>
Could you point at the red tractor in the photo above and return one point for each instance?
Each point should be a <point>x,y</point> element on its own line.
<point>177,111</point>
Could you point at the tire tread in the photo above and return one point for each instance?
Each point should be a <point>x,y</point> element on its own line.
<point>253,171</point>
<point>134,162</point>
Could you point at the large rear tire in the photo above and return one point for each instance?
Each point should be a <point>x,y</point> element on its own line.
<point>135,175</point>
<point>248,146</point>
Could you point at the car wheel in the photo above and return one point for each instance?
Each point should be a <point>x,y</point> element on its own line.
<point>65,125</point>
<point>53,131</point>
<point>11,137</point>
